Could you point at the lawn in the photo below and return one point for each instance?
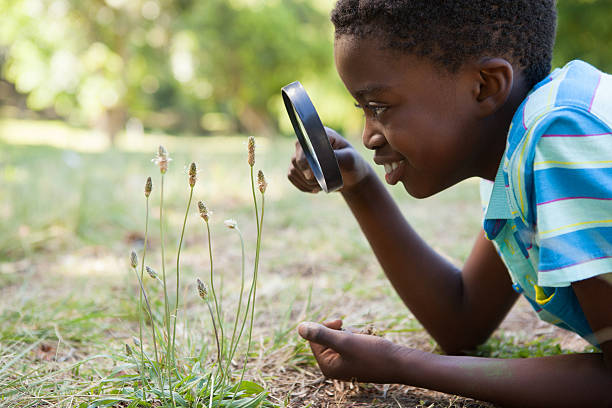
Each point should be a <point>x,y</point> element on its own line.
<point>72,209</point>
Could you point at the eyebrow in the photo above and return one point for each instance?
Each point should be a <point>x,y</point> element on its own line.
<point>371,89</point>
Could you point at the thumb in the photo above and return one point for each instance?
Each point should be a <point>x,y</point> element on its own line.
<point>317,333</point>
<point>346,158</point>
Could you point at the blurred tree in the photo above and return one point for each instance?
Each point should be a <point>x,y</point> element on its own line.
<point>213,65</point>
<point>178,65</point>
<point>584,32</point>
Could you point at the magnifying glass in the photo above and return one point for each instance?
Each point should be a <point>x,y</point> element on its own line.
<point>312,137</point>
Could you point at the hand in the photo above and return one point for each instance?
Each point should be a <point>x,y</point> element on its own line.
<point>346,355</point>
<point>353,167</point>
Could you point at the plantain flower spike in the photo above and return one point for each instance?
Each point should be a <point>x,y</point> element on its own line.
<point>136,341</point>
<point>204,213</point>
<point>192,174</point>
<point>148,187</point>
<point>151,272</point>
<point>251,145</point>
<point>261,182</point>
<point>133,259</point>
<point>202,290</point>
<point>231,223</point>
<point>162,159</point>
<point>128,349</point>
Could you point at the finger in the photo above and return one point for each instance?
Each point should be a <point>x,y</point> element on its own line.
<point>322,335</point>
<point>333,324</point>
<point>301,165</point>
<point>346,159</point>
<point>302,184</point>
<point>298,182</point>
<point>300,158</point>
<point>335,139</point>
<point>299,177</point>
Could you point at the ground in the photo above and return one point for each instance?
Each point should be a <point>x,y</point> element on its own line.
<point>73,209</point>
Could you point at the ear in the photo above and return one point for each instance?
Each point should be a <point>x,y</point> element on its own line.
<point>495,81</point>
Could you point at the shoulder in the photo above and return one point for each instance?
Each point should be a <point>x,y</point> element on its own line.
<point>565,122</point>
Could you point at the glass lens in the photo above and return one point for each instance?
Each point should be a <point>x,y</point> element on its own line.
<point>306,138</point>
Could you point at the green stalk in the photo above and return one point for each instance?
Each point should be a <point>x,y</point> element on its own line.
<point>212,316</point>
<point>253,290</point>
<point>148,305</point>
<point>166,307</point>
<point>212,289</point>
<point>232,344</point>
<point>141,319</point>
<point>178,255</point>
<point>258,234</point>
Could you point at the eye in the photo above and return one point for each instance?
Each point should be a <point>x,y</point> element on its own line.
<point>376,109</point>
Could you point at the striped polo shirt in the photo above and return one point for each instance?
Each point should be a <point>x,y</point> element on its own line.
<point>549,211</point>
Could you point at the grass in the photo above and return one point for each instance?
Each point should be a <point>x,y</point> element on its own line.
<point>71,209</point>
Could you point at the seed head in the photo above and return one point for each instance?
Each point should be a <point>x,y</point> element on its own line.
<point>202,290</point>
<point>162,159</point>
<point>151,272</point>
<point>192,174</point>
<point>261,182</point>
<point>128,349</point>
<point>133,259</point>
<point>148,187</point>
<point>251,146</point>
<point>204,213</point>
<point>136,341</point>
<point>232,224</point>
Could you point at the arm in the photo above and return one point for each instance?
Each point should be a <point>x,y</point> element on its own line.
<point>447,301</point>
<point>576,380</point>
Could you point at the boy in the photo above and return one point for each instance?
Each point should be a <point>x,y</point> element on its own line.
<point>451,90</point>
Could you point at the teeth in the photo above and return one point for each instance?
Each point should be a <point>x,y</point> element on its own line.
<point>389,167</point>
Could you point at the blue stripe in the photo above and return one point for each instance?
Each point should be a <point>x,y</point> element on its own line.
<point>555,183</point>
<point>575,248</point>
<point>575,122</point>
<point>578,86</point>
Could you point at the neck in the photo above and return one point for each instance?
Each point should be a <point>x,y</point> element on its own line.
<point>497,126</point>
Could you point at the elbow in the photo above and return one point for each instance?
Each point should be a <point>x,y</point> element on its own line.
<point>462,344</point>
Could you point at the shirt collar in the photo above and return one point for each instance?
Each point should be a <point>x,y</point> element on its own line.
<point>498,207</point>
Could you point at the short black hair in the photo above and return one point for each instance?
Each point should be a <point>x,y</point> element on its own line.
<point>452,32</point>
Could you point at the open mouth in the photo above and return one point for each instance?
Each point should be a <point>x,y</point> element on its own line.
<point>393,171</point>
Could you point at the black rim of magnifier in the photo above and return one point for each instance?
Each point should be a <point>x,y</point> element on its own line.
<point>325,166</point>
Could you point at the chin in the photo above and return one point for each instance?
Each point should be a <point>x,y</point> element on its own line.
<point>420,191</point>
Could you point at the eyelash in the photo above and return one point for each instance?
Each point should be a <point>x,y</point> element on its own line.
<point>376,110</point>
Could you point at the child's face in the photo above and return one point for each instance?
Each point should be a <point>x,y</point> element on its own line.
<point>422,124</point>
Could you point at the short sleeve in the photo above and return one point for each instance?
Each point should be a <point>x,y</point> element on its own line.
<point>572,185</point>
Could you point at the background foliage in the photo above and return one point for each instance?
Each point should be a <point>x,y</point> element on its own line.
<point>202,67</point>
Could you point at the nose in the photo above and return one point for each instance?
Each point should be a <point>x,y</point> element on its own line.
<point>372,137</point>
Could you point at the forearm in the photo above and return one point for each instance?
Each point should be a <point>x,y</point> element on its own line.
<point>575,380</point>
<point>415,270</point>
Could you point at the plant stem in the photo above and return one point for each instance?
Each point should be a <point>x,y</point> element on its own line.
<point>253,289</point>
<point>257,250</point>
<point>141,319</point>
<point>148,305</point>
<point>246,315</point>
<point>166,306</point>
<point>234,341</point>
<point>178,256</point>
<point>212,316</point>
<point>212,289</point>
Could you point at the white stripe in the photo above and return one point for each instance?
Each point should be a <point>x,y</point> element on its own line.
<point>573,152</point>
<point>559,217</point>
<point>602,101</point>
<point>542,99</point>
